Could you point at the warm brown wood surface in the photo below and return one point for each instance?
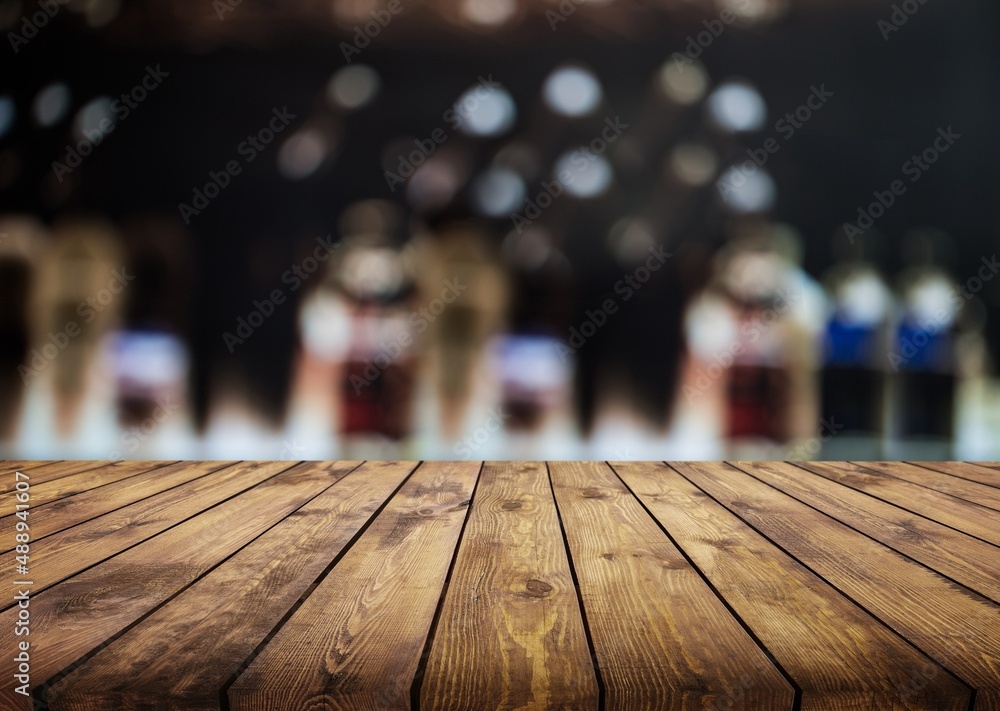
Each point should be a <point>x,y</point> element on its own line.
<point>967,560</point>
<point>960,514</point>
<point>955,627</point>
<point>357,640</point>
<point>92,480</point>
<point>511,628</point>
<point>42,472</point>
<point>511,585</point>
<point>853,664</point>
<point>663,639</point>
<point>92,502</point>
<point>74,549</point>
<point>971,491</point>
<point>227,613</point>
<point>982,473</point>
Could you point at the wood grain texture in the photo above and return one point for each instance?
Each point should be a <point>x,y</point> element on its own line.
<point>662,638</point>
<point>510,634</point>
<point>47,472</point>
<point>945,483</point>
<point>88,480</point>
<point>982,473</point>
<point>965,559</point>
<point>855,663</point>
<point>65,513</point>
<point>98,603</point>
<point>958,629</point>
<point>959,514</point>
<point>356,641</point>
<point>333,586</point>
<point>62,554</point>
<point>92,480</point>
<point>185,652</point>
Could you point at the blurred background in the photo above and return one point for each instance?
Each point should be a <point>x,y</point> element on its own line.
<point>446,229</point>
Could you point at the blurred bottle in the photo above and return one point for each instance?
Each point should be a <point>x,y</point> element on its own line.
<point>79,302</point>
<point>22,243</point>
<point>923,359</point>
<point>759,389</point>
<point>809,427</point>
<point>359,333</point>
<point>854,366</point>
<point>324,326</point>
<point>378,381</point>
<point>463,295</point>
<point>534,361</point>
<point>923,355</point>
<point>768,368</point>
<point>148,358</point>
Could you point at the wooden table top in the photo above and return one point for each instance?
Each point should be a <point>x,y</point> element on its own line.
<point>510,585</point>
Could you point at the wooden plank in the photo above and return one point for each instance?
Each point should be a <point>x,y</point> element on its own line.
<point>945,483</point>
<point>70,484</point>
<point>357,639</point>
<point>965,559</point>
<point>978,472</point>
<point>72,619</point>
<point>63,554</point>
<point>68,512</point>
<point>663,640</point>
<point>839,656</point>
<point>510,633</point>
<point>957,628</point>
<point>48,472</point>
<point>89,480</point>
<point>183,654</point>
<point>22,465</point>
<point>961,515</point>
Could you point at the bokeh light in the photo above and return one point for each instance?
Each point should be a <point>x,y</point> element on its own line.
<point>51,104</point>
<point>572,91</point>
<point>485,111</point>
<point>737,106</point>
<point>353,87</point>
<point>498,192</point>
<point>590,174</point>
